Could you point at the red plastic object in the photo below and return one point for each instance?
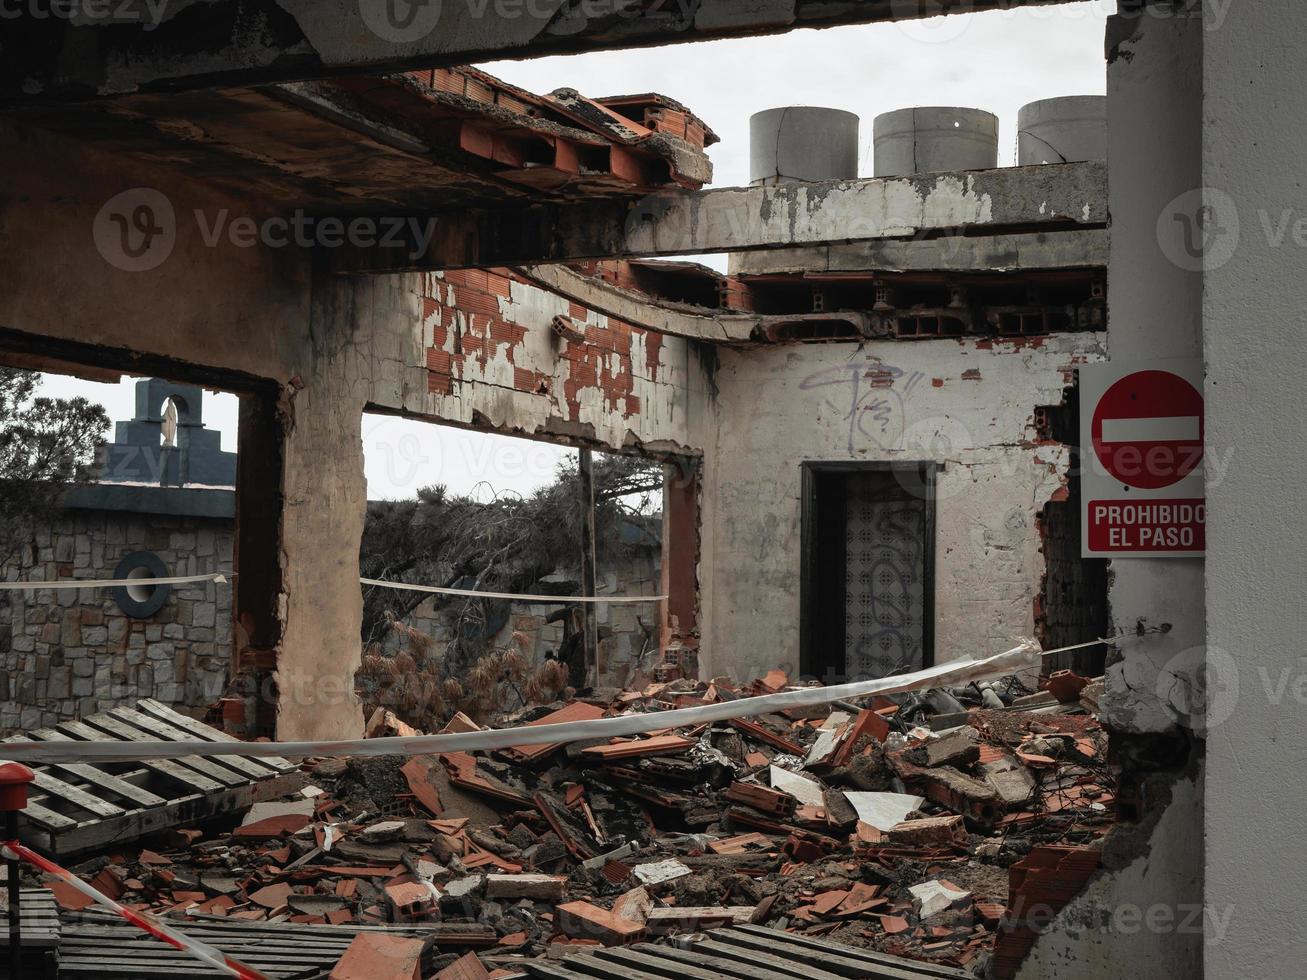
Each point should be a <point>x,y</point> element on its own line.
<point>14,778</point>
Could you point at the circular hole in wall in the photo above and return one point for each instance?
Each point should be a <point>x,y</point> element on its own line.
<point>140,593</point>
<point>140,601</point>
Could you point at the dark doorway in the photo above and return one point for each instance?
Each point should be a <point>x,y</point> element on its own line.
<point>1072,606</point>
<point>868,578</point>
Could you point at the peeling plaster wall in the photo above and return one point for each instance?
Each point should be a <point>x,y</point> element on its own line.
<point>968,404</point>
<point>333,346</point>
<point>492,355</point>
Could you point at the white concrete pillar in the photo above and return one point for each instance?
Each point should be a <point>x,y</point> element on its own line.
<point>1254,151</point>
<point>1141,917</point>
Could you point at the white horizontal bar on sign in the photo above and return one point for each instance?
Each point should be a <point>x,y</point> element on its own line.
<point>107,583</point>
<point>545,600</point>
<point>958,672</point>
<point>1175,428</point>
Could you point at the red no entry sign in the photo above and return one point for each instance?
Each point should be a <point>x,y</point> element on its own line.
<point>1148,429</point>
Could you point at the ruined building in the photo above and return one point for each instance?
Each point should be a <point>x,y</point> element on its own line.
<point>277,201</point>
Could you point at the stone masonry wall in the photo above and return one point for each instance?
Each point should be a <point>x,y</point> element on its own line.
<point>69,653</point>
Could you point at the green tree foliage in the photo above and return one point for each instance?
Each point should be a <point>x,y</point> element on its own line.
<point>46,445</point>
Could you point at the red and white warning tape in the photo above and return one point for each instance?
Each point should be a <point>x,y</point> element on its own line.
<point>214,957</point>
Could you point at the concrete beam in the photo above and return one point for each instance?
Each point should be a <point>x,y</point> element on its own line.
<point>643,311</point>
<point>1050,198</point>
<point>1079,249</point>
<point>146,45</point>
<point>1065,250</point>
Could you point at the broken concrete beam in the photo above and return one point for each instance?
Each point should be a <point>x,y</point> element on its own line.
<point>960,792</point>
<point>957,748</point>
<point>656,872</point>
<point>1052,198</point>
<point>930,831</point>
<point>634,906</point>
<point>544,888</point>
<point>581,920</point>
<point>377,956</point>
<point>1010,780</point>
<point>839,811</point>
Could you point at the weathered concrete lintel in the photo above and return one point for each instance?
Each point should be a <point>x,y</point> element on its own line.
<point>1051,198</point>
<point>1083,248</point>
<point>639,310</point>
<point>147,46</point>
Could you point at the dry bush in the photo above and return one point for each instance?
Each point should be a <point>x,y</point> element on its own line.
<point>418,687</point>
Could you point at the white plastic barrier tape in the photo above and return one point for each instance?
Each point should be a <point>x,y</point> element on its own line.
<point>214,957</point>
<point>1025,656</point>
<point>105,583</point>
<point>548,600</point>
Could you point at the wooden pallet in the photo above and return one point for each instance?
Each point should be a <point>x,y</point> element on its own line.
<point>80,807</point>
<point>103,947</point>
<point>740,953</point>
<point>38,917</point>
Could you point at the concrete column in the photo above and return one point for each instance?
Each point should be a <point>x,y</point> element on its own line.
<point>1254,321</point>
<point>325,502</point>
<point>1154,312</point>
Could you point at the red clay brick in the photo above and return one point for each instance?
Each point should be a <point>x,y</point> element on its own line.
<point>377,956</point>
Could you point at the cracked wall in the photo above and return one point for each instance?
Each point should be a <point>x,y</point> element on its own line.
<point>494,355</point>
<point>968,404</point>
<point>316,350</point>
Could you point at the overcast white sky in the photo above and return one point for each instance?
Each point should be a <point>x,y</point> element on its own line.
<point>997,61</point>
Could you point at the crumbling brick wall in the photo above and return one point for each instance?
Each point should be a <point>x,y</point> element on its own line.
<point>565,370</point>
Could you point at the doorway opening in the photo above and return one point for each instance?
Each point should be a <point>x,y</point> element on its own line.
<point>868,577</point>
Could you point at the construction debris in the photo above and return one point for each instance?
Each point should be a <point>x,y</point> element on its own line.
<point>849,824</point>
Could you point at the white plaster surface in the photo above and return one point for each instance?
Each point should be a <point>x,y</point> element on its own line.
<point>777,407</point>
<point>1254,324</point>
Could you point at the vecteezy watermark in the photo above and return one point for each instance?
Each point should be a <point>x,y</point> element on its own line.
<point>409,21</point>
<point>148,13</point>
<point>309,231</point>
<point>403,455</point>
<point>1199,230</point>
<point>1125,919</point>
<point>1204,685</point>
<point>1201,686</point>
<point>136,230</point>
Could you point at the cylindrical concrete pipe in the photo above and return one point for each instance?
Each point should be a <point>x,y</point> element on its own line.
<point>1062,130</point>
<point>935,139</point>
<point>800,143</point>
